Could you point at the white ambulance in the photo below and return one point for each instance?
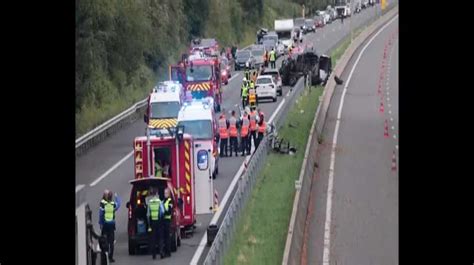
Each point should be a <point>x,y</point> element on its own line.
<point>196,118</point>
<point>164,103</point>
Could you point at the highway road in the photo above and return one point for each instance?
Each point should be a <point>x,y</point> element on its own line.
<point>354,197</point>
<point>109,165</point>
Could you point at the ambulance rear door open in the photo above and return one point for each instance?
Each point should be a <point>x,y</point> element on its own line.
<point>203,182</point>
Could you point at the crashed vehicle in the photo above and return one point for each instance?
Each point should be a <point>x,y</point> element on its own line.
<point>306,62</point>
<point>260,33</point>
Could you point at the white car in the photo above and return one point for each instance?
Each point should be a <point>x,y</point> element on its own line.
<point>266,88</point>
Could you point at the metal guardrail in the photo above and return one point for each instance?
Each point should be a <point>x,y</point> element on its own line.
<point>100,132</point>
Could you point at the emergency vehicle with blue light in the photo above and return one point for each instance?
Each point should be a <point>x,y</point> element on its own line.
<point>196,117</point>
<point>164,103</point>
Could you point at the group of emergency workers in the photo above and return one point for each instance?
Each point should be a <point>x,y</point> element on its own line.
<point>270,56</point>
<point>252,126</point>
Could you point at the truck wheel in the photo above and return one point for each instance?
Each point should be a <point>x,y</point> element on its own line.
<point>132,248</point>
<point>174,242</point>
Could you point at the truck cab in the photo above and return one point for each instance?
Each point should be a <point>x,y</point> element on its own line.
<point>164,104</point>
<point>196,118</point>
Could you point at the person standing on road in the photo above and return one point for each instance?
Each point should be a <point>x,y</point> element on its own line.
<point>233,126</point>
<point>272,58</point>
<point>253,119</point>
<point>262,126</point>
<point>223,134</point>
<point>153,214</point>
<point>244,92</point>
<point>107,209</point>
<point>244,133</point>
<point>166,224</point>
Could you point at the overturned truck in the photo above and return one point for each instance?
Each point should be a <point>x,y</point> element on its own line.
<point>306,63</point>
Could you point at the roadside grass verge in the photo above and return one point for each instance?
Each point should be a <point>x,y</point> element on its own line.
<point>261,233</point>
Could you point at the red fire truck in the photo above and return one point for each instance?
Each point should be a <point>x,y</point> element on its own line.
<point>174,152</point>
<point>202,76</point>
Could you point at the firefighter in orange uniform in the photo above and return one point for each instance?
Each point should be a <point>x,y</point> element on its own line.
<point>233,126</point>
<point>223,134</point>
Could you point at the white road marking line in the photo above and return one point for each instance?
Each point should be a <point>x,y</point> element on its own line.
<point>389,112</point>
<point>111,169</point>
<point>394,136</point>
<point>396,146</point>
<point>327,223</point>
<point>393,127</point>
<point>391,119</point>
<point>78,188</point>
<point>234,77</point>
<point>388,98</point>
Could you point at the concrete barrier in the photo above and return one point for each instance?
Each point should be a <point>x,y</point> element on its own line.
<point>295,236</point>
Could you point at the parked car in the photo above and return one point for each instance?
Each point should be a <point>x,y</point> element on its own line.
<point>243,57</point>
<point>319,21</point>
<point>276,75</point>
<point>266,87</point>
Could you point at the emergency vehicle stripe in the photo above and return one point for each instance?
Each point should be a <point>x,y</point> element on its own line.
<point>199,87</point>
<point>163,123</point>
<point>187,162</point>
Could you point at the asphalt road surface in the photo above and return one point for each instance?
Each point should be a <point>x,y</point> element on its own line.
<point>109,165</point>
<point>363,223</point>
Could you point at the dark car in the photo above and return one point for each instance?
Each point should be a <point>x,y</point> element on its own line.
<point>138,234</point>
<point>242,57</point>
<point>309,26</point>
<point>307,62</point>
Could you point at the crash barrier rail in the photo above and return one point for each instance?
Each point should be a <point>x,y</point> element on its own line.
<point>295,237</point>
<point>245,185</point>
<point>227,226</point>
<point>99,133</point>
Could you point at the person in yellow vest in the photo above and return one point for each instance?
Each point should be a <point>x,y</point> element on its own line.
<point>272,58</point>
<point>223,124</point>
<point>262,126</point>
<point>108,206</point>
<point>166,224</point>
<point>233,133</point>
<point>244,92</point>
<point>154,215</point>
<point>244,134</point>
<point>158,169</point>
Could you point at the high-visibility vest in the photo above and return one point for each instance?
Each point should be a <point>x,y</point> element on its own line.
<point>167,205</point>
<point>263,127</point>
<point>109,210</point>
<point>154,205</point>
<point>158,170</point>
<point>252,85</point>
<point>252,96</point>
<point>233,127</point>
<point>272,55</point>
<point>245,91</point>
<point>223,134</point>
<point>244,131</point>
<point>253,121</point>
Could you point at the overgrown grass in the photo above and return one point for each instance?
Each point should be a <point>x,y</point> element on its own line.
<point>261,234</point>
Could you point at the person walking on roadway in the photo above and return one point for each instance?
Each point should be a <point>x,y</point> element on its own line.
<point>244,133</point>
<point>223,134</point>
<point>272,58</point>
<point>154,215</point>
<point>166,224</point>
<point>233,126</point>
<point>108,206</point>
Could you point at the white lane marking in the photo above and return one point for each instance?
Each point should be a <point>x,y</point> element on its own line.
<point>391,119</point>
<point>78,188</point>
<point>111,169</point>
<point>327,223</point>
<point>396,146</point>
<point>234,77</point>
<point>215,218</point>
<point>388,98</point>
<point>390,112</point>
<point>394,136</point>
<point>393,127</point>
